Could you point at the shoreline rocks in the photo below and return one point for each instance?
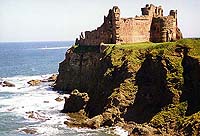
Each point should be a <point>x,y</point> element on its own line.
<point>30,131</point>
<point>7,84</point>
<point>52,78</point>
<point>34,82</point>
<point>36,116</point>
<point>139,90</point>
<point>59,99</point>
<point>75,102</point>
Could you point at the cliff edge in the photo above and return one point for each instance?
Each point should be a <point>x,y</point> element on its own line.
<point>146,88</point>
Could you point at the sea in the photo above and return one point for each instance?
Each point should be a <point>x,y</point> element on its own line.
<point>32,110</point>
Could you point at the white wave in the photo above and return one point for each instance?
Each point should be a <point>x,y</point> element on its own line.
<point>121,132</point>
<point>37,104</point>
<point>20,83</point>
<point>28,98</point>
<point>53,48</point>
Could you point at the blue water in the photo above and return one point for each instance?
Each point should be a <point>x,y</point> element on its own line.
<point>31,58</point>
<point>20,63</point>
<point>24,59</point>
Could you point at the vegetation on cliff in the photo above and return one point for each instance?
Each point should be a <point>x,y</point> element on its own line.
<point>154,84</point>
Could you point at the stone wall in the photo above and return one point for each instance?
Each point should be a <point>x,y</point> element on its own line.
<point>134,29</point>
<point>151,26</point>
<point>103,34</point>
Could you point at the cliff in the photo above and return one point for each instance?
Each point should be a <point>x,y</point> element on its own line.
<point>147,88</point>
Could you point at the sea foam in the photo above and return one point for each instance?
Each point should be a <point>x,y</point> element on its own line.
<point>39,109</point>
<point>53,48</point>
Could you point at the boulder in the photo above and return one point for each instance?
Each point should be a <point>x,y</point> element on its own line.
<point>145,130</point>
<point>36,116</point>
<point>7,84</point>
<point>75,102</point>
<point>52,78</point>
<point>1,81</point>
<point>141,131</point>
<point>59,99</point>
<point>94,122</point>
<point>30,131</point>
<point>34,82</point>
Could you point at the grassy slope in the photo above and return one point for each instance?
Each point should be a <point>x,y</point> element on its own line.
<point>174,114</point>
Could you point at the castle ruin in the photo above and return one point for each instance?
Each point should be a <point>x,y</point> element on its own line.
<point>150,26</point>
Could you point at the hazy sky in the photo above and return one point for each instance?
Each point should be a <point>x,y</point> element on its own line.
<point>50,20</point>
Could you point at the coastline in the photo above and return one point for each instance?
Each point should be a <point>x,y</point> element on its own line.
<point>37,109</point>
<point>141,87</point>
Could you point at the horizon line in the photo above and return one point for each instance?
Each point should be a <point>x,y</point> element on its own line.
<point>37,41</point>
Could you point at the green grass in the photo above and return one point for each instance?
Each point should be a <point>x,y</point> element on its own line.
<point>194,44</point>
<point>171,114</point>
<point>85,49</point>
<point>134,54</point>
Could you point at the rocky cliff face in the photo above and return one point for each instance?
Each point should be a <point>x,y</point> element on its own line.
<point>77,71</point>
<point>191,88</point>
<point>148,89</point>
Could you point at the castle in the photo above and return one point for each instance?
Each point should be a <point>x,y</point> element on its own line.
<point>150,26</point>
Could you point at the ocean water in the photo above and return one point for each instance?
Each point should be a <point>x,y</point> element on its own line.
<point>31,58</point>
<point>34,108</point>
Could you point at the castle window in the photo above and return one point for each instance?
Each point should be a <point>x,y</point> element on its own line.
<point>154,28</point>
<point>116,10</point>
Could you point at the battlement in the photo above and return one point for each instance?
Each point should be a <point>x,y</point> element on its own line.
<point>150,26</point>
<point>151,10</point>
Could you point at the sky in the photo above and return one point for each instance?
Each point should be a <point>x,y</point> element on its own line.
<point>64,20</point>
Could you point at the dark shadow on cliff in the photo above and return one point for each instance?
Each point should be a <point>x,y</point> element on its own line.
<point>92,73</point>
<point>191,88</point>
<point>78,70</point>
<point>152,93</point>
<point>106,83</point>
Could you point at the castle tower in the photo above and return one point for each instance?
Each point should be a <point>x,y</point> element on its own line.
<point>115,24</point>
<point>175,24</point>
<point>174,14</point>
<point>150,26</point>
<point>152,11</point>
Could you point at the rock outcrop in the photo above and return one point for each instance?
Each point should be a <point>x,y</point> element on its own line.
<point>52,78</point>
<point>7,84</point>
<point>78,70</point>
<point>142,90</point>
<point>153,92</point>
<point>191,74</point>
<point>75,102</point>
<point>34,82</point>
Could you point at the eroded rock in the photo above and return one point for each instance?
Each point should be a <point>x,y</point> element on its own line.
<point>94,122</point>
<point>75,102</point>
<point>36,116</point>
<point>59,99</point>
<point>52,78</point>
<point>7,84</point>
<point>29,131</point>
<point>34,82</point>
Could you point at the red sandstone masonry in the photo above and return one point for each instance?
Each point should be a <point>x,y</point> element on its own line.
<point>151,26</point>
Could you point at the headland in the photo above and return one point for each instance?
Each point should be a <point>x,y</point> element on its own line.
<point>146,79</point>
